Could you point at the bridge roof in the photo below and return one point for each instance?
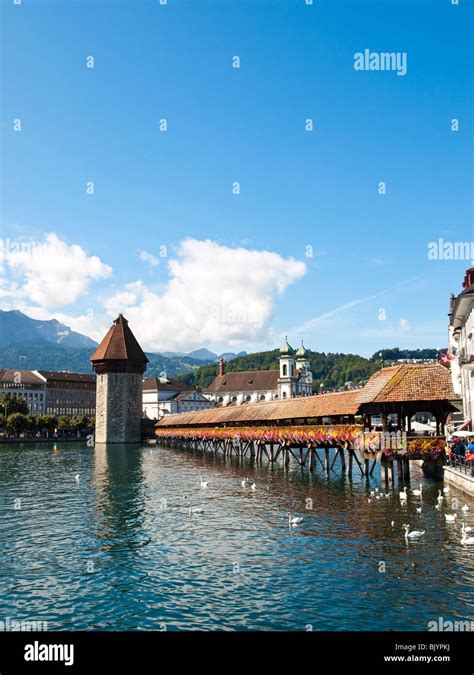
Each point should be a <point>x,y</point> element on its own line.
<point>402,383</point>
<point>321,405</point>
<point>409,382</point>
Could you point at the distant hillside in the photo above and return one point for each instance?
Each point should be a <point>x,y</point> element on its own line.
<point>29,356</point>
<point>204,354</point>
<point>332,370</point>
<point>396,354</point>
<point>16,327</point>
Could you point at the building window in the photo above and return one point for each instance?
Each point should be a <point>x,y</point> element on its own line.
<point>284,394</point>
<point>285,370</point>
<point>234,399</point>
<point>248,398</point>
<point>262,397</point>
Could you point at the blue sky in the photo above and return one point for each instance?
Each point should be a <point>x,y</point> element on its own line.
<point>298,189</point>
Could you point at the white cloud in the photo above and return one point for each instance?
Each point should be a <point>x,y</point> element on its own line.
<point>215,294</point>
<point>152,260</point>
<point>50,273</point>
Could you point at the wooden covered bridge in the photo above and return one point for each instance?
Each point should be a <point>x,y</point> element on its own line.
<point>307,429</point>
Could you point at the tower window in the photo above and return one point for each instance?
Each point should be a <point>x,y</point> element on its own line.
<point>285,370</point>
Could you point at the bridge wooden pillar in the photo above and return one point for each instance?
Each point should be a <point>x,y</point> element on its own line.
<point>351,461</point>
<point>343,458</point>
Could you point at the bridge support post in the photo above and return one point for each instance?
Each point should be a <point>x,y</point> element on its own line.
<point>343,459</point>
<point>400,470</point>
<point>326,460</point>
<point>406,463</point>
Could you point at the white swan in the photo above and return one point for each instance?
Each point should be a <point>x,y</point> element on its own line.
<point>295,520</point>
<point>446,490</point>
<point>244,482</point>
<point>415,534</point>
<point>418,493</point>
<point>440,497</point>
<point>465,508</point>
<point>204,483</point>
<point>466,540</point>
<point>450,517</point>
<point>392,523</point>
<point>466,529</point>
<point>253,486</point>
<point>418,510</point>
<point>403,495</point>
<point>193,510</point>
<point>77,477</point>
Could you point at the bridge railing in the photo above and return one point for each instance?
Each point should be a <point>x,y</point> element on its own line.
<point>462,464</point>
<point>383,445</point>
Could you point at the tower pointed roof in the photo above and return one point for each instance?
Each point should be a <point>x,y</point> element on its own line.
<point>119,345</point>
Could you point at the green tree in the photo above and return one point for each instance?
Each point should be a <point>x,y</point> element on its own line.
<point>32,422</point>
<point>80,423</point>
<point>17,423</point>
<point>47,423</point>
<point>64,423</point>
<point>12,404</point>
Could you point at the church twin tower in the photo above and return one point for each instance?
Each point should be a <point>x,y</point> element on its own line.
<point>119,363</point>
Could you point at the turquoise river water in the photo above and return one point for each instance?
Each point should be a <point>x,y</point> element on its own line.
<point>118,548</point>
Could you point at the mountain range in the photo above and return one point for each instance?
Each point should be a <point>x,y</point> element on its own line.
<point>16,328</point>
<point>28,344</point>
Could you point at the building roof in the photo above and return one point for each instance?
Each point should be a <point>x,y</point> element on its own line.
<point>395,384</point>
<point>185,396</point>
<point>119,344</point>
<point>26,376</point>
<point>249,380</point>
<point>155,384</point>
<point>461,306</point>
<point>60,376</point>
<point>409,382</point>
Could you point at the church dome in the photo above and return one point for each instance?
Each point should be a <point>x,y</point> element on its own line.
<point>301,353</point>
<point>285,348</point>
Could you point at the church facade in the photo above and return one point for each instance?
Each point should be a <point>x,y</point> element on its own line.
<point>293,378</point>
